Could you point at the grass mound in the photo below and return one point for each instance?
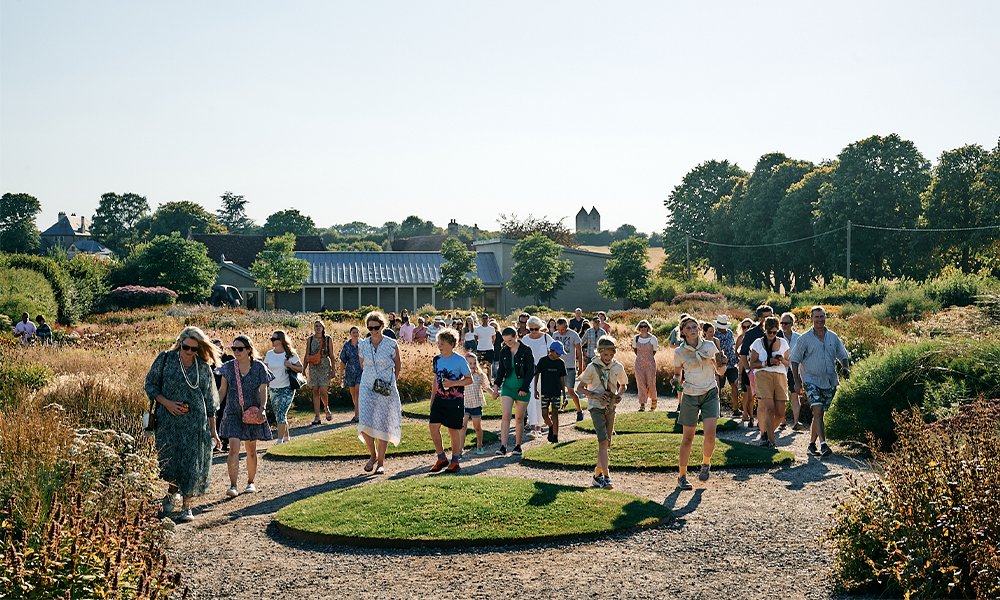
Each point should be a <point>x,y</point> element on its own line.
<point>463,511</point>
<point>344,443</point>
<point>653,451</point>
<point>492,410</point>
<point>652,422</point>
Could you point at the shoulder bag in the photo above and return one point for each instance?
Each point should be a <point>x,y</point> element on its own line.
<point>313,359</point>
<point>252,415</point>
<point>295,379</point>
<point>149,417</point>
<point>380,386</point>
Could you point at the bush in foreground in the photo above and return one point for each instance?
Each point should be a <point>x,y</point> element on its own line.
<point>925,524</point>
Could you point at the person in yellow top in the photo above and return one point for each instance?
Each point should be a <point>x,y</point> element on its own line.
<point>700,362</point>
<point>602,384</point>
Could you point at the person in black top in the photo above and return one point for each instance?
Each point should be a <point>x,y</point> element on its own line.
<point>218,384</point>
<point>755,333</point>
<point>576,323</point>
<point>551,372</point>
<point>512,383</point>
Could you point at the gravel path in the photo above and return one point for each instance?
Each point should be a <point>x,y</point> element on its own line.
<point>745,533</point>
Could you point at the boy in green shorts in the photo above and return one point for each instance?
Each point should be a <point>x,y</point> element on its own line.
<point>602,384</point>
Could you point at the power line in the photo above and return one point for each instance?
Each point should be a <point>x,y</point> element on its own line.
<point>694,239</point>
<point>926,230</point>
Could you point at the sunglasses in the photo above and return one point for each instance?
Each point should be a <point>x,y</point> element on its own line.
<point>643,326</point>
<point>786,322</point>
<point>375,328</point>
<point>772,332</point>
<point>239,348</point>
<point>275,339</point>
<point>189,348</point>
<point>744,327</point>
<point>534,329</point>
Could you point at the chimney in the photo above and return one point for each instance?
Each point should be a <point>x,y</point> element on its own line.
<point>453,228</point>
<point>62,215</point>
<point>475,233</point>
<point>392,234</point>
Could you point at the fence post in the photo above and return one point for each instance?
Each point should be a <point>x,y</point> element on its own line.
<point>687,243</point>
<point>848,251</point>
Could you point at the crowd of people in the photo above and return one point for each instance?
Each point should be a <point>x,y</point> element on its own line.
<point>204,398</point>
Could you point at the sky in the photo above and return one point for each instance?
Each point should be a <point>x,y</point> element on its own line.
<point>373,111</point>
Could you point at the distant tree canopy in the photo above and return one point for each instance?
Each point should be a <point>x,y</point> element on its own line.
<point>879,181</point>
<point>607,237</point>
<point>289,221</point>
<point>172,262</point>
<point>413,226</point>
<point>276,268</point>
<point>18,232</point>
<point>538,271</point>
<point>626,274</point>
<point>512,228</point>
<point>233,215</point>
<point>116,221</point>
<point>179,217</point>
<point>455,280</point>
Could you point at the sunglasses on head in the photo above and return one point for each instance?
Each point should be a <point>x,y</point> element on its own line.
<point>190,348</point>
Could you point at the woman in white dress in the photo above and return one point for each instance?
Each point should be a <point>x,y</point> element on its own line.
<point>539,343</point>
<point>380,416</point>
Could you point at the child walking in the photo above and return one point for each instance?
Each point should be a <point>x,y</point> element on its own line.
<point>451,374</point>
<point>551,372</point>
<point>475,399</point>
<point>602,383</point>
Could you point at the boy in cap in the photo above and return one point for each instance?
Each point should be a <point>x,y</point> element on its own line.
<point>551,372</point>
<point>603,383</point>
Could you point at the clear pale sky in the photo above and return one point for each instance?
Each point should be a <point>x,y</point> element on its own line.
<point>373,111</point>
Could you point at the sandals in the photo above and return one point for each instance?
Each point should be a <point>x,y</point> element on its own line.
<point>369,466</point>
<point>329,415</point>
<point>380,470</point>
<point>316,421</point>
<point>642,408</point>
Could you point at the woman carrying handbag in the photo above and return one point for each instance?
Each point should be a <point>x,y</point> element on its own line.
<point>379,412</point>
<point>245,381</point>
<point>319,361</point>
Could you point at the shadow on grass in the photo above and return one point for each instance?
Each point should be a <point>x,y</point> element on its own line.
<point>272,506</point>
<point>546,493</point>
<point>636,511</point>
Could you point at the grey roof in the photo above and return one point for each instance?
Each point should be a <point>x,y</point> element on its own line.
<point>389,268</point>
<point>228,264</point>
<point>71,225</point>
<point>90,246</point>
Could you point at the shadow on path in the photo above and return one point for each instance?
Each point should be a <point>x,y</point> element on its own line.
<point>680,513</point>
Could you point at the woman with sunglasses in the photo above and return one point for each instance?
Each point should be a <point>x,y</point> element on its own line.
<point>181,383</point>
<point>380,414</point>
<point>319,358</point>
<point>244,384</point>
<point>769,359</point>
<point>281,359</point>
<point>539,342</point>
<point>350,367</point>
<point>512,382</point>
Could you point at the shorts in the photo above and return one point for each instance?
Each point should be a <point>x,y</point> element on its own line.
<point>770,385</point>
<point>791,382</point>
<point>730,376</point>
<point>819,396</point>
<point>551,401</point>
<point>485,356</point>
<point>470,345</point>
<point>744,381</point>
<point>571,378</point>
<point>449,412</point>
<point>706,404</point>
<point>475,412</point>
<point>604,419</point>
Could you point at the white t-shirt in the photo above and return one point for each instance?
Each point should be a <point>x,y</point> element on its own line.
<point>758,347</point>
<point>275,362</point>
<point>485,334</point>
<point>638,339</point>
<point>539,347</point>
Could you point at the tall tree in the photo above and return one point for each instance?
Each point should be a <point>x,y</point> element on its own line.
<point>276,268</point>
<point>116,219</point>
<point>456,281</point>
<point>960,197</point>
<point>690,203</point>
<point>173,262</point>
<point>512,228</point>
<point>878,181</point>
<point>538,271</point>
<point>179,217</point>
<point>289,221</point>
<point>233,215</point>
<point>18,232</point>
<point>626,274</point>
<point>767,196</point>
<point>794,220</point>
<point>413,226</point>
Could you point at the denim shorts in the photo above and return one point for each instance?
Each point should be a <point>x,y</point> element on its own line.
<point>475,413</point>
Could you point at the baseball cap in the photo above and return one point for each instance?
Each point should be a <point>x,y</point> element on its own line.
<point>557,347</point>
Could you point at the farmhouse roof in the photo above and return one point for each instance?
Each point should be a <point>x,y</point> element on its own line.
<point>91,246</point>
<point>389,268</point>
<point>69,225</point>
<point>421,243</point>
<point>243,249</point>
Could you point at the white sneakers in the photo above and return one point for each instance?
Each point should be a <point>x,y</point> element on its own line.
<point>186,516</point>
<point>251,488</point>
<point>232,492</point>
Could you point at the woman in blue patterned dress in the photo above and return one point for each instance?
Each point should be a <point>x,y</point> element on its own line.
<point>350,367</point>
<point>379,417</point>
<point>253,380</point>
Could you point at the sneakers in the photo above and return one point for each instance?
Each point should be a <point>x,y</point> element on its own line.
<point>812,451</point>
<point>579,415</point>
<point>824,450</point>
<point>534,434</point>
<point>453,468</point>
<point>187,515</point>
<point>607,483</point>
<point>599,480</point>
<point>250,489</point>
<point>798,427</point>
<point>682,482</point>
<point>439,464</point>
<point>501,452</point>
<point>764,441</point>
<point>705,472</point>
<point>781,426</point>
<point>516,451</point>
<point>170,503</point>
<point>232,492</point>
<point>480,450</point>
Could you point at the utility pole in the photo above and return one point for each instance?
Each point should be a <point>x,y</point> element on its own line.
<point>848,251</point>
<point>687,243</point>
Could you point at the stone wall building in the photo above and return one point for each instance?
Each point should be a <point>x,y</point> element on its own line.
<point>588,221</point>
<point>66,231</point>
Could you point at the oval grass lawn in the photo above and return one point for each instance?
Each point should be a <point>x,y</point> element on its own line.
<point>492,410</point>
<point>447,510</point>
<point>653,422</point>
<point>344,443</point>
<point>653,451</point>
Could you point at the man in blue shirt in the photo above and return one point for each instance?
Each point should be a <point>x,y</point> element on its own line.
<point>814,367</point>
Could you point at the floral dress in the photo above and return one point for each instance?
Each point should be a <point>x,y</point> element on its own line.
<point>320,375</point>
<point>379,416</point>
<point>232,419</point>
<point>352,364</point>
<point>183,442</point>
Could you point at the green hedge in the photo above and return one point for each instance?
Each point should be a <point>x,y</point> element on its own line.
<point>62,287</point>
<point>933,379</point>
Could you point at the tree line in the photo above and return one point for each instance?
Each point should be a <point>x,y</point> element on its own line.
<point>879,181</point>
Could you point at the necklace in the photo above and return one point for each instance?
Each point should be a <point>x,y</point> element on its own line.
<point>197,373</point>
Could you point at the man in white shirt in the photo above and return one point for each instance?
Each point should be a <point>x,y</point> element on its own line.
<point>25,330</point>
<point>434,329</point>
<point>486,337</point>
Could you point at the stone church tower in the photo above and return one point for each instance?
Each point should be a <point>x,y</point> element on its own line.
<point>588,221</point>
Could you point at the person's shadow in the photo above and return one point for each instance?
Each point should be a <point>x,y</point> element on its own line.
<point>679,513</point>
<point>796,477</point>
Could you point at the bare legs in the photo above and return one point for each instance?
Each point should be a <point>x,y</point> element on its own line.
<point>506,402</point>
<point>233,460</point>
<point>376,452</point>
<point>321,398</point>
<point>687,441</point>
<point>477,424</point>
<point>354,398</point>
